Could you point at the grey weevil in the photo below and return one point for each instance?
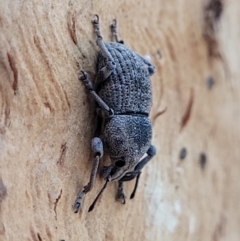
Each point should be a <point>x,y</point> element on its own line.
<point>123,93</point>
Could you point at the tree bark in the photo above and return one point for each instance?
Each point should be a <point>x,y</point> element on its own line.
<point>190,190</point>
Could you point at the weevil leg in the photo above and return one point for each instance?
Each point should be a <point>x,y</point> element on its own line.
<point>107,110</point>
<point>150,153</point>
<point>137,170</point>
<point>114,31</point>
<point>121,195</point>
<point>135,186</point>
<point>129,176</point>
<point>78,203</point>
<point>151,68</point>
<point>97,148</point>
<point>110,64</point>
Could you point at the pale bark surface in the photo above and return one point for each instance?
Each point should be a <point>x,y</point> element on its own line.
<point>47,121</point>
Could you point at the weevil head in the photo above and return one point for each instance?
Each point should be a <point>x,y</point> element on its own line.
<point>126,138</point>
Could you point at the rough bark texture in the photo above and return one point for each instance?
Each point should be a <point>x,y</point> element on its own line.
<point>47,121</point>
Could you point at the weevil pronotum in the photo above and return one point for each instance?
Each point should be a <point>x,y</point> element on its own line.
<point>122,90</point>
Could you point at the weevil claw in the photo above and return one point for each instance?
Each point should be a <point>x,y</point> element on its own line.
<point>114,24</point>
<point>121,196</point>
<point>122,199</point>
<point>78,203</point>
<point>96,19</point>
<point>83,76</point>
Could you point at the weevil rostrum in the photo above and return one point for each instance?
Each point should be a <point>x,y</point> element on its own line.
<point>122,90</point>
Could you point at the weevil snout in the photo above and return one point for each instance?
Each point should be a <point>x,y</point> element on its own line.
<point>115,171</point>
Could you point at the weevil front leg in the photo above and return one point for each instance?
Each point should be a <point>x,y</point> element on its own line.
<point>97,148</point>
<point>106,109</point>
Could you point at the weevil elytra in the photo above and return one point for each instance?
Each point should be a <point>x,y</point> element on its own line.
<point>122,90</point>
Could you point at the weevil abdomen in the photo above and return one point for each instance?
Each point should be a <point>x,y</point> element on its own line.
<point>128,88</point>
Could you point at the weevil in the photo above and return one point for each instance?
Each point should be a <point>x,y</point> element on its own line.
<point>122,90</point>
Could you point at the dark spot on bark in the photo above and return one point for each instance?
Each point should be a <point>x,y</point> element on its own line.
<point>212,14</point>
<point>56,202</point>
<point>33,235</point>
<point>83,55</point>
<point>63,151</point>
<point>210,82</point>
<point>171,50</point>
<point>49,233</point>
<point>158,114</point>
<point>39,237</point>
<point>3,190</point>
<point>15,72</point>
<point>203,160</point>
<point>72,28</point>
<point>91,42</point>
<point>159,54</point>
<point>183,153</point>
<point>67,100</point>
<point>216,8</point>
<point>7,113</point>
<point>48,105</point>
<point>38,191</point>
<point>48,64</point>
<point>27,195</point>
<point>2,228</point>
<point>220,229</point>
<point>187,114</point>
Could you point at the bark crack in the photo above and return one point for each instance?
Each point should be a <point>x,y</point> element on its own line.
<point>56,202</point>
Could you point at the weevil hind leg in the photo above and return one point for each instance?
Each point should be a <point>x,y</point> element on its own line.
<point>97,148</point>
<point>151,68</point>
<point>114,31</point>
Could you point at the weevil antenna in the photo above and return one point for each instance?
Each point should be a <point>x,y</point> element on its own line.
<point>98,196</point>
<point>135,187</point>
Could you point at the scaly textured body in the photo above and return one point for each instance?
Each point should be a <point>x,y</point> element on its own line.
<point>123,93</point>
<point>128,88</point>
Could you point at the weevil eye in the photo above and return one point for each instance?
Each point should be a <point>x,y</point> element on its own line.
<point>119,163</point>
